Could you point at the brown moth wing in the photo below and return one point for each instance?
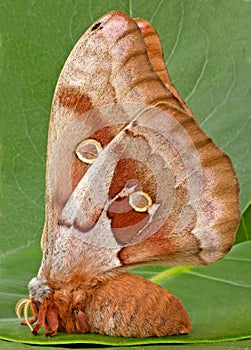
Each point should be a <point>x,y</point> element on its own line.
<point>109,65</point>
<point>156,57</point>
<point>224,191</point>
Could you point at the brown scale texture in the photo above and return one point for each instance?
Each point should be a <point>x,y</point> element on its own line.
<point>156,57</point>
<point>125,222</point>
<point>131,306</point>
<point>75,100</point>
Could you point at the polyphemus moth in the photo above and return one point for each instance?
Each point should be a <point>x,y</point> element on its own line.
<point>131,179</point>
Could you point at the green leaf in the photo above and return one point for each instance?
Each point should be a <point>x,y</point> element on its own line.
<point>228,345</point>
<point>244,230</point>
<point>208,54</point>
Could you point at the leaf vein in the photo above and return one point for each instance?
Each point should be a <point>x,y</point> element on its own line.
<point>217,279</point>
<point>177,37</point>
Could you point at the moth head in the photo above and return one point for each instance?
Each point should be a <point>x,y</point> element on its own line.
<point>39,290</point>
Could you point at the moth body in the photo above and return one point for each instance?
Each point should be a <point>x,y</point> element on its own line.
<point>122,305</point>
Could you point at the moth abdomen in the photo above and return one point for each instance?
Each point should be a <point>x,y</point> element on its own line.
<point>130,306</point>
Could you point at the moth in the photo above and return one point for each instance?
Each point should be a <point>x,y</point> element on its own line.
<point>131,179</point>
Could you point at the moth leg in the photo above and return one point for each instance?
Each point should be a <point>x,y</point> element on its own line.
<point>82,324</point>
<point>40,320</point>
<point>30,321</point>
<point>52,323</point>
